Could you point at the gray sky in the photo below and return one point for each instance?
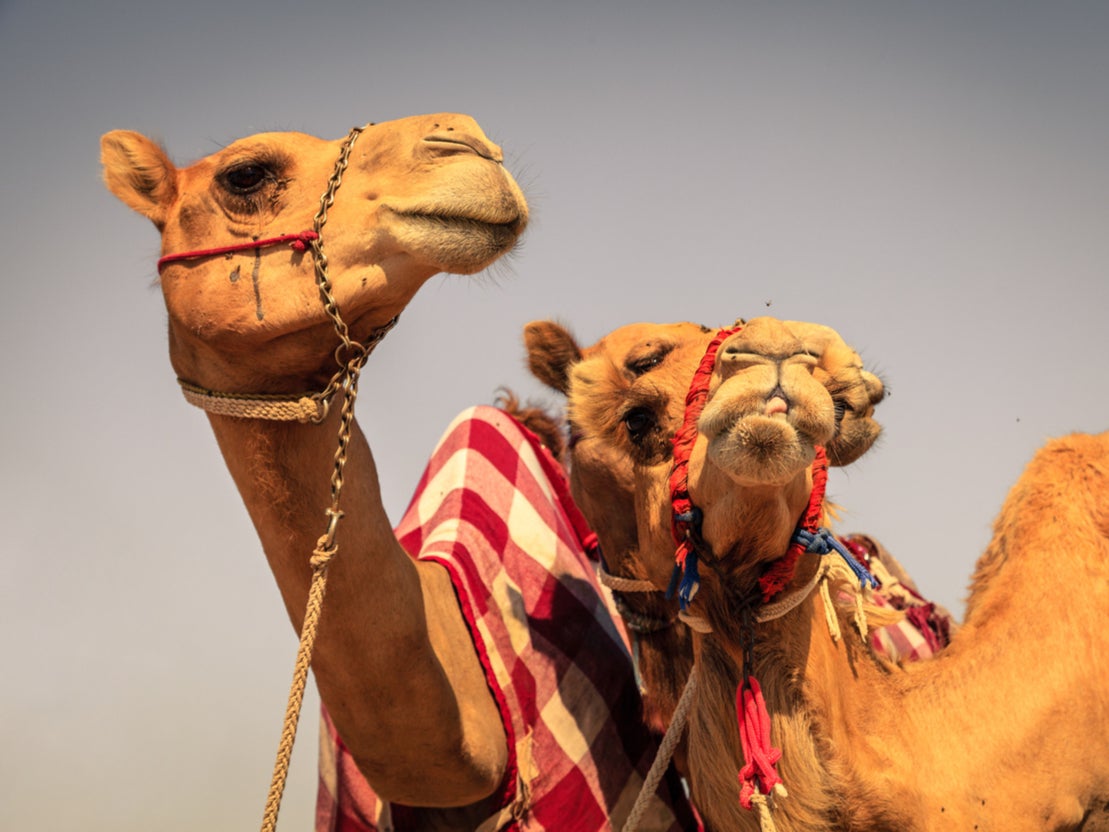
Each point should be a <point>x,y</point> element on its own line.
<point>929,178</point>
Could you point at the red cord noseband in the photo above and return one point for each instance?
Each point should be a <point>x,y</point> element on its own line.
<point>681,521</point>
<point>297,242</point>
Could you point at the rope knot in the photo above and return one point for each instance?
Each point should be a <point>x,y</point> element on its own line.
<point>759,774</point>
<point>692,517</point>
<point>300,241</point>
<point>823,542</point>
<point>322,554</point>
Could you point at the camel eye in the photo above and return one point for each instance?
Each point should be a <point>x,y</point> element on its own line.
<point>245,178</point>
<point>638,421</point>
<point>641,363</point>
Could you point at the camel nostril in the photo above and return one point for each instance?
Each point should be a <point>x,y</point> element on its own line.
<point>455,144</point>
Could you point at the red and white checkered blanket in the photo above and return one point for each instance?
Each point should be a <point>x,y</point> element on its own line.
<point>493,508</point>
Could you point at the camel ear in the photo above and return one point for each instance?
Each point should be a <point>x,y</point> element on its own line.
<point>138,171</point>
<point>552,350</point>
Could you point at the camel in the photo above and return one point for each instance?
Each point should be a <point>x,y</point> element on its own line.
<point>1007,729</point>
<point>625,454</point>
<point>419,196</point>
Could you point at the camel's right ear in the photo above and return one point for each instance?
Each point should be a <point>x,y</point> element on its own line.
<point>138,172</point>
<point>552,350</point>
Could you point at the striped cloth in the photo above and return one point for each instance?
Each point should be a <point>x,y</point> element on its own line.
<point>493,508</point>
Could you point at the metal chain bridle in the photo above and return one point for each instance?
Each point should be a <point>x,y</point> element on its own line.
<point>351,356</point>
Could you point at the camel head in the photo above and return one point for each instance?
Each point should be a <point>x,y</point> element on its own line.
<point>419,195</point>
<point>776,390</point>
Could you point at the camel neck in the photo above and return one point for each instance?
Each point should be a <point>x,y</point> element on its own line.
<point>283,473</point>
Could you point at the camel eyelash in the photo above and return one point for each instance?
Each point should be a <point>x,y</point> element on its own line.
<point>641,364</point>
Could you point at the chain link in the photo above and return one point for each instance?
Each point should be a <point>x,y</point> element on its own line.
<point>326,201</point>
<point>351,356</point>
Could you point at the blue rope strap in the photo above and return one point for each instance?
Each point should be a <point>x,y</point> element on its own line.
<point>686,581</point>
<point>823,542</point>
<point>693,517</point>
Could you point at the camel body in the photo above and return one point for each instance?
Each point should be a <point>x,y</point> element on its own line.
<point>1008,729</point>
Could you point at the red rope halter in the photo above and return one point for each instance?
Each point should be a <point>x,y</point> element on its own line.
<point>780,571</point>
<point>682,514</point>
<point>297,242</point>
<point>759,775</point>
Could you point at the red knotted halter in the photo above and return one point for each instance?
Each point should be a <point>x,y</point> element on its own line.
<point>682,517</point>
<point>759,774</point>
<point>297,242</point>
<point>780,572</point>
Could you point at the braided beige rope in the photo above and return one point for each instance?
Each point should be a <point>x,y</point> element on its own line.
<point>302,409</point>
<point>762,804</point>
<point>624,584</point>
<point>321,557</point>
<point>665,753</point>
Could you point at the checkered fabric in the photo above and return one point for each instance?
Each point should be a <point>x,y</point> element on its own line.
<point>493,508</point>
<point>926,628</point>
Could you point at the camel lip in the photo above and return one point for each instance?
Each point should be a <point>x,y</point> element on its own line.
<point>459,219</point>
<point>501,236</point>
<point>513,226</point>
<point>729,424</point>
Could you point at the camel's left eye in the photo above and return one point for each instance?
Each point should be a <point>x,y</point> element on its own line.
<point>638,421</point>
<point>245,178</point>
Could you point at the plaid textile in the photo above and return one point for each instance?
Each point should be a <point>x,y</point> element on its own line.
<point>493,508</point>
<point>927,626</point>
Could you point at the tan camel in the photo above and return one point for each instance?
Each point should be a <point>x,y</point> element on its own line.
<point>625,407</point>
<point>419,196</point>
<point>1008,729</point>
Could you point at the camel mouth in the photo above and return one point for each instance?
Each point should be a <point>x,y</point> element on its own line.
<point>776,407</point>
<point>733,421</point>
<point>760,436</point>
<point>498,237</point>
<point>457,244</point>
<point>761,450</point>
<point>764,444</point>
<point>453,222</point>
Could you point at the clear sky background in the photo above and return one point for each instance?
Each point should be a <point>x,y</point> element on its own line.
<point>929,178</point>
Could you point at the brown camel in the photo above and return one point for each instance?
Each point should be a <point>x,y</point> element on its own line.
<point>248,329</point>
<point>1008,729</point>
